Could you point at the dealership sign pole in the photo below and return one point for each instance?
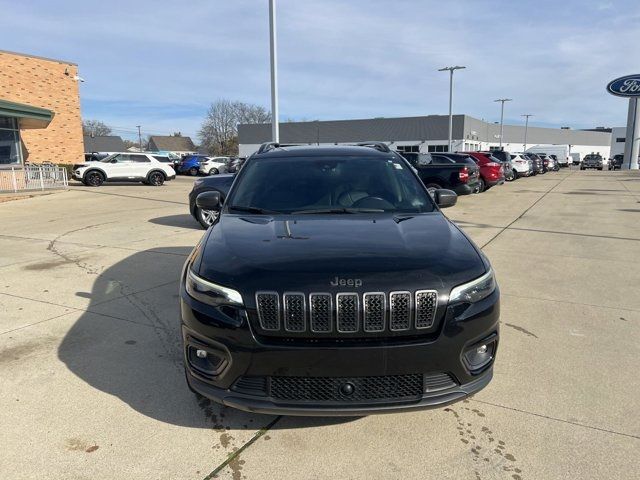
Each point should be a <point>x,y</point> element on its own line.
<point>629,87</point>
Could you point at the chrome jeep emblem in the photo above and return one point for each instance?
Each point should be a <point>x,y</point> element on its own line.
<point>346,282</point>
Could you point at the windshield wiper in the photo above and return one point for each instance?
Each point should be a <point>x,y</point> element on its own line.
<point>338,210</point>
<point>256,210</point>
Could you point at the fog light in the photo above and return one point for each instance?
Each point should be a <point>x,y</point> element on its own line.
<point>480,355</point>
<point>208,363</point>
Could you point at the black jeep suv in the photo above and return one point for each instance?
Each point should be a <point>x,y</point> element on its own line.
<point>331,284</point>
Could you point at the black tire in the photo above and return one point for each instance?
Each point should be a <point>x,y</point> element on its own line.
<point>205,219</point>
<point>214,171</point>
<point>93,178</point>
<point>193,171</point>
<point>432,187</point>
<point>516,174</point>
<point>599,168</point>
<point>156,178</point>
<point>481,185</point>
<point>509,176</point>
<point>582,168</point>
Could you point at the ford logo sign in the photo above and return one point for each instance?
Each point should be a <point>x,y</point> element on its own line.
<point>628,86</point>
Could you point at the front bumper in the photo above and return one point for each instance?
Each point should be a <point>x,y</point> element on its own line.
<point>246,355</point>
<point>254,404</point>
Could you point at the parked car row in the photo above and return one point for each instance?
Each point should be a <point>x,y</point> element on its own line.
<point>464,173</point>
<point>197,164</point>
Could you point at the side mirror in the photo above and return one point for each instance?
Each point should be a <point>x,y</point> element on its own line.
<point>444,198</point>
<point>115,160</point>
<point>208,201</point>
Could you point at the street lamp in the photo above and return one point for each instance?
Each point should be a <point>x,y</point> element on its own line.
<point>502,100</point>
<point>450,70</point>
<point>526,127</point>
<point>275,127</point>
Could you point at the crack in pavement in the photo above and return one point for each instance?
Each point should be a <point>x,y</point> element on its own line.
<point>556,419</point>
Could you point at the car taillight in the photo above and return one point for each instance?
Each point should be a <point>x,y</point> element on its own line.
<point>493,164</point>
<point>464,175</point>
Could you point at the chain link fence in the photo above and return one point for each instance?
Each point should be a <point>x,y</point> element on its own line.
<point>33,177</point>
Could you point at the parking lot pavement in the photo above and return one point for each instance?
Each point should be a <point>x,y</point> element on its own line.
<point>93,387</point>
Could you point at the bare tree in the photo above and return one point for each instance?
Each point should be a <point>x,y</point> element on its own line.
<point>95,128</point>
<point>219,131</point>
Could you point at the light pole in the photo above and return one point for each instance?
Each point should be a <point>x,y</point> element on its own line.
<point>139,137</point>
<point>450,70</point>
<point>526,127</point>
<point>275,127</point>
<point>502,100</point>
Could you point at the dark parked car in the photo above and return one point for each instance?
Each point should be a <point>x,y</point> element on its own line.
<point>218,183</point>
<point>616,162</point>
<point>440,171</point>
<point>505,158</point>
<point>538,166</point>
<point>331,284</point>
<point>592,160</point>
<point>236,164</point>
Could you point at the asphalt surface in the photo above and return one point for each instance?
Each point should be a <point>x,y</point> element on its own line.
<point>92,385</point>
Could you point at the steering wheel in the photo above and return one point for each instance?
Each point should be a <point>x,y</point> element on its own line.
<point>373,202</point>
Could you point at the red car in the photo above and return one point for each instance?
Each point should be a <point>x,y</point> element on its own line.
<point>491,171</point>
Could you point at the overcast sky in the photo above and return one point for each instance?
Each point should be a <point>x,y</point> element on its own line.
<point>160,64</point>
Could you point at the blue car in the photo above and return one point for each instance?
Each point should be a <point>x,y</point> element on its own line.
<point>189,165</point>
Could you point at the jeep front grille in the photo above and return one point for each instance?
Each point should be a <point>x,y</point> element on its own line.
<point>319,314</point>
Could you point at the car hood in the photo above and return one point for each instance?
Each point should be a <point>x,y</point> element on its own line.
<point>307,252</point>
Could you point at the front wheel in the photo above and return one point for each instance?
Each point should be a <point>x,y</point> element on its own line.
<point>193,171</point>
<point>214,171</point>
<point>206,218</point>
<point>156,179</point>
<point>94,179</point>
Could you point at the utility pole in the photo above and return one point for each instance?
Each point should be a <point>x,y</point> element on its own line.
<point>139,138</point>
<point>526,127</point>
<point>275,127</point>
<point>450,70</point>
<point>502,100</point>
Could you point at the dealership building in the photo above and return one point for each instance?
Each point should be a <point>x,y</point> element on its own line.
<point>425,134</point>
<point>39,111</point>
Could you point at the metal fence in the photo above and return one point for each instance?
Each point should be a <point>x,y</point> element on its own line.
<point>33,177</point>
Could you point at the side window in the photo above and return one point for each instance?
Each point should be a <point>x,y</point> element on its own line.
<point>139,159</point>
<point>162,159</point>
<point>124,158</point>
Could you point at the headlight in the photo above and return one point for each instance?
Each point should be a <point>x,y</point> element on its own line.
<point>211,293</point>
<point>475,290</point>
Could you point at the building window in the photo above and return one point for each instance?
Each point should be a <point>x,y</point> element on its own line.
<point>437,148</point>
<point>9,141</point>
<point>408,148</point>
<point>620,140</point>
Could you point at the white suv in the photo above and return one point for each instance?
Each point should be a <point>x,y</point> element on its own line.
<point>521,164</point>
<point>214,165</point>
<point>124,167</point>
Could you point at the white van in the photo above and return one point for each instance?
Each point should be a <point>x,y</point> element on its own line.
<point>560,151</point>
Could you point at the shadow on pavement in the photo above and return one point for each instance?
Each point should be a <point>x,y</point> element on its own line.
<point>129,346</point>
<point>183,220</point>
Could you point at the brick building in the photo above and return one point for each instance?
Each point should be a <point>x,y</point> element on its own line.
<point>39,110</point>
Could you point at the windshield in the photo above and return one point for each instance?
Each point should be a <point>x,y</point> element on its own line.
<point>108,158</point>
<point>342,184</point>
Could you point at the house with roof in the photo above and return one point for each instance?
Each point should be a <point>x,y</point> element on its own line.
<point>103,144</point>
<point>171,144</point>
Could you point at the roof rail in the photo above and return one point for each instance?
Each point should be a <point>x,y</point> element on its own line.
<point>381,146</point>
<point>267,146</point>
